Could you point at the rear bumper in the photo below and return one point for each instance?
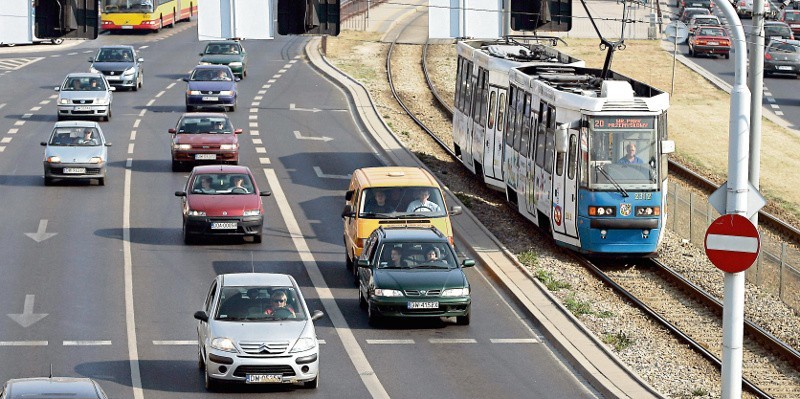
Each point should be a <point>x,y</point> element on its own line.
<point>245,225</point>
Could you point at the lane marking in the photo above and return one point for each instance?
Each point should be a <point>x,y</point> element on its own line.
<point>53,96</point>
<point>770,99</point>
<point>6,140</point>
<point>390,341</point>
<point>255,104</point>
<point>252,117</point>
<point>452,341</point>
<point>143,111</point>
<point>257,141</point>
<point>133,135</point>
<point>262,92</point>
<point>264,161</point>
<point>2,105</point>
<point>87,343</point>
<point>13,130</point>
<point>176,342</point>
<point>287,66</point>
<point>26,116</point>
<point>261,150</point>
<point>253,124</point>
<point>779,113</point>
<point>23,343</point>
<point>321,175</point>
<point>254,133</point>
<point>171,85</point>
<point>269,81</point>
<point>73,53</point>
<point>351,346</point>
<point>2,148</point>
<point>149,103</point>
<point>514,341</point>
<point>19,123</point>
<point>161,93</point>
<point>321,341</point>
<point>258,98</point>
<point>130,148</point>
<point>35,108</point>
<point>292,61</point>
<point>136,123</point>
<point>254,110</point>
<point>276,76</point>
<point>44,102</point>
<point>130,319</point>
<point>282,71</point>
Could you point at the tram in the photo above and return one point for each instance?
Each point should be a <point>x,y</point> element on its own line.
<point>583,155</point>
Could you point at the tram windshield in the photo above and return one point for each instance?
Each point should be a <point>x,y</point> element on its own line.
<point>620,153</point>
<point>114,6</point>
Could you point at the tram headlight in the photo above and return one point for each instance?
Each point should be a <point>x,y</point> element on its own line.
<point>595,210</point>
<point>648,211</point>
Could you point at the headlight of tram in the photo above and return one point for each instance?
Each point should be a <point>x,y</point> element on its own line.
<point>602,210</point>
<point>648,211</point>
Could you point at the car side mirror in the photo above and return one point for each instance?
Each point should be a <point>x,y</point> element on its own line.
<point>265,193</point>
<point>363,263</point>
<point>180,193</point>
<point>348,195</point>
<point>172,131</point>
<point>107,144</point>
<point>317,315</point>
<point>56,88</point>
<point>91,59</point>
<point>455,210</point>
<point>201,54</point>
<point>347,212</point>
<point>185,79</point>
<point>468,263</point>
<point>236,79</point>
<point>112,88</point>
<point>238,131</point>
<point>201,315</point>
<point>140,60</point>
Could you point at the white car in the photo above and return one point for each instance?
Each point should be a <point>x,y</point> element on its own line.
<point>76,150</point>
<point>255,328</point>
<point>745,8</point>
<point>84,95</point>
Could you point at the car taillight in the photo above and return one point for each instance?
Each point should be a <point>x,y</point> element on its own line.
<point>767,56</point>
<point>700,42</point>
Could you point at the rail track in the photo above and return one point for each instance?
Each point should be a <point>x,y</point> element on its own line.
<point>689,313</point>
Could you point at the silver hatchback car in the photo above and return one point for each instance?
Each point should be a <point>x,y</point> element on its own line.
<point>75,150</point>
<point>84,95</point>
<point>52,387</point>
<point>256,328</point>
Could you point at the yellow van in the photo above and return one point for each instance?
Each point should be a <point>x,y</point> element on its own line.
<point>392,197</point>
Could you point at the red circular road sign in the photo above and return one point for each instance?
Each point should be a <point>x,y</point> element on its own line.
<point>732,243</point>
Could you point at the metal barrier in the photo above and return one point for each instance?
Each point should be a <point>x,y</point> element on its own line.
<point>354,14</point>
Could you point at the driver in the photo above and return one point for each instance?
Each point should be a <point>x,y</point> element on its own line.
<point>278,302</point>
<point>238,185</point>
<point>422,204</point>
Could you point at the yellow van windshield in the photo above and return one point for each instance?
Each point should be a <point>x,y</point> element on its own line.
<point>401,202</point>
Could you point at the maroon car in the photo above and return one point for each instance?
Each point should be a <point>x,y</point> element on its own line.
<point>204,138</point>
<point>710,40</point>
<point>221,200</point>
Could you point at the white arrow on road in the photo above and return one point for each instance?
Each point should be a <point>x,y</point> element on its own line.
<point>293,108</point>
<point>40,234</point>
<point>318,170</point>
<point>301,137</point>
<point>27,318</point>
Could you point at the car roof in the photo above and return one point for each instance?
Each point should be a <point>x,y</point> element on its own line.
<point>795,43</point>
<point>392,176</point>
<point>77,124</point>
<point>705,16</point>
<point>781,23</point>
<point>221,169</point>
<point>205,115</point>
<point>224,42</point>
<point>116,46</point>
<point>198,67</point>
<point>55,386</point>
<point>256,279</point>
<point>406,234</point>
<point>84,75</point>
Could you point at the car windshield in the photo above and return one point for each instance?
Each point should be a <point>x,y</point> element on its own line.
<point>86,83</point>
<point>206,125</point>
<point>706,21</point>
<point>782,48</point>
<point>127,6</point>
<point>778,30</point>
<point>75,136</point>
<point>114,55</point>
<point>712,32</point>
<point>222,183</point>
<point>417,255</point>
<point>210,74</point>
<point>792,17</point>
<point>259,303</point>
<point>222,48</point>
<point>401,202</point>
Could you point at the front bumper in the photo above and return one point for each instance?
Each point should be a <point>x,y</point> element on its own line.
<point>122,80</point>
<point>245,225</point>
<point>84,110</point>
<point>293,367</point>
<point>219,156</point>
<point>398,306</point>
<point>56,171</point>
<point>210,100</point>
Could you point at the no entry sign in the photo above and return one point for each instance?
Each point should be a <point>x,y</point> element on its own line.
<point>732,243</point>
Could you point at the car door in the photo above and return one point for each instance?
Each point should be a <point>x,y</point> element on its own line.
<point>365,273</point>
<point>208,306</point>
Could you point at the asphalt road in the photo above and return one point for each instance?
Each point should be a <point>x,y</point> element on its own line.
<point>112,293</point>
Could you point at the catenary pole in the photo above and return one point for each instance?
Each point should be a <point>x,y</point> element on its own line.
<point>756,84</point>
<point>736,202</point>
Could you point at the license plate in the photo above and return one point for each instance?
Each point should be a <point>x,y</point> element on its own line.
<point>127,27</point>
<point>82,108</point>
<point>785,68</point>
<point>223,226</point>
<point>423,305</point>
<point>76,171</point>
<point>205,156</point>
<point>210,98</point>
<point>713,43</point>
<point>263,378</point>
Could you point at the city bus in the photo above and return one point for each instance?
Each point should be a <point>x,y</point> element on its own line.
<point>119,15</point>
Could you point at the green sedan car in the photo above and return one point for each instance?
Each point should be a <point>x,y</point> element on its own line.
<point>412,272</point>
<point>226,52</point>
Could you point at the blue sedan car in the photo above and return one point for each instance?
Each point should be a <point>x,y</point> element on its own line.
<point>211,86</point>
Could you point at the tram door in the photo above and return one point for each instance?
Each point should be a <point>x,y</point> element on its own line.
<point>498,135</point>
<point>565,188</point>
<point>466,153</point>
<point>492,143</point>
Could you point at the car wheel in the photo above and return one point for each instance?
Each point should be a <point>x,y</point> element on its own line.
<point>727,56</point>
<point>347,262</point>
<point>57,41</point>
<point>189,108</point>
<point>201,362</point>
<point>176,166</point>
<point>101,181</point>
<point>59,117</point>
<point>210,383</point>
<point>257,239</point>
<point>691,52</point>
<point>313,384</point>
<point>362,303</point>
<point>463,320</point>
<point>141,81</point>
<point>187,238</point>
<point>108,116</point>
<point>232,108</point>
<point>48,181</point>
<point>373,317</point>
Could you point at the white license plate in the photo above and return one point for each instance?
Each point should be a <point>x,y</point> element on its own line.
<point>263,378</point>
<point>223,226</point>
<point>785,68</point>
<point>82,108</point>
<point>75,171</point>
<point>127,27</point>
<point>210,98</point>
<point>713,43</point>
<point>205,156</point>
<point>423,305</point>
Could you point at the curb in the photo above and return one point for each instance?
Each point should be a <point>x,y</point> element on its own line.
<point>604,371</point>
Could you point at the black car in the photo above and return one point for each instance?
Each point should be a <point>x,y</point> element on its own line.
<point>121,66</point>
<point>777,30</point>
<point>782,56</point>
<point>410,273</point>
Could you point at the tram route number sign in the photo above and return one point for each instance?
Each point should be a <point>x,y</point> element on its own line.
<point>732,243</point>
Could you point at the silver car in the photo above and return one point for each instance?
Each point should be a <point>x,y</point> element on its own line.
<point>84,95</point>
<point>43,387</point>
<point>75,150</point>
<point>256,328</point>
<point>120,65</point>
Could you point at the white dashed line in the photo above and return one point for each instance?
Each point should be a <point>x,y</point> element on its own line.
<point>133,135</point>
<point>55,56</point>
<point>23,343</point>
<point>770,99</point>
<point>149,103</point>
<point>452,341</point>
<point>45,102</point>
<point>253,110</point>
<point>779,113</point>
<point>514,341</point>
<point>252,117</point>
<point>282,71</point>
<point>6,140</point>
<point>258,98</point>
<point>253,124</point>
<point>26,116</point>
<point>35,108</point>
<point>254,133</point>
<point>261,150</point>
<point>297,57</point>
<point>130,148</point>
<point>286,66</point>
<point>276,76</point>
<point>53,96</point>
<point>129,163</point>
<point>143,47</point>
<point>321,341</point>
<point>257,141</point>
<point>143,111</point>
<point>269,81</point>
<point>175,342</point>
<point>255,104</point>
<point>2,148</point>
<point>13,130</point>
<point>390,341</point>
<point>87,343</point>
<point>262,92</point>
<point>2,105</point>
<point>136,123</point>
<point>161,93</point>
<point>19,123</point>
<point>72,54</point>
<point>292,61</point>
<point>264,161</point>
<point>171,85</point>
<point>774,106</point>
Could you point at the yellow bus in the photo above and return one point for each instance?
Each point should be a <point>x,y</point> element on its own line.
<point>119,15</point>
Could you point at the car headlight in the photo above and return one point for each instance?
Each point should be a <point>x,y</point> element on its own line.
<point>227,147</point>
<point>193,212</point>
<point>223,344</point>
<point>54,159</point>
<point>92,70</point>
<point>252,212</point>
<point>205,63</point>
<point>193,92</point>
<point>63,101</point>
<point>451,292</point>
<point>96,160</point>
<point>128,72</point>
<point>183,147</point>
<point>235,64</point>
<point>303,344</point>
<point>385,292</point>
<point>226,93</point>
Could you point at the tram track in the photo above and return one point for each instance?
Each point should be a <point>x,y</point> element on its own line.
<point>681,307</point>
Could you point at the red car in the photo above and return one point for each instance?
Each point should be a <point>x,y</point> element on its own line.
<point>791,18</point>
<point>204,138</point>
<point>221,200</point>
<point>710,40</point>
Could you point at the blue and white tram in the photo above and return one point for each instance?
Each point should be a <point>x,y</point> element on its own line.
<point>481,99</point>
<point>565,162</point>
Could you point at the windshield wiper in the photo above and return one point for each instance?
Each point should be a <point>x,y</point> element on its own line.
<point>378,214</point>
<point>611,179</point>
<point>430,266</point>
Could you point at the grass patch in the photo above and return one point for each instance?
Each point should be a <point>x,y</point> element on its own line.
<point>528,258</point>
<point>699,392</point>
<point>465,199</point>
<point>605,314</point>
<point>619,340</point>
<point>576,306</point>
<point>549,281</point>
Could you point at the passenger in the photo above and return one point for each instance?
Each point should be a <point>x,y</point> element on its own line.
<point>279,303</point>
<point>422,204</point>
<point>126,56</point>
<point>94,85</point>
<point>379,204</point>
<point>630,157</point>
<point>432,255</point>
<point>87,138</point>
<point>76,85</point>
<point>219,127</point>
<point>397,258</point>
<point>206,185</point>
<point>221,75</point>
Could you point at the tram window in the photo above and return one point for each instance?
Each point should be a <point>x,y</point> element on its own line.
<point>540,144</point>
<point>501,111</point>
<point>520,116</point>
<point>551,118</point>
<point>511,115</point>
<point>573,155</point>
<point>530,151</point>
<point>526,125</point>
<point>459,83</point>
<point>478,101</point>
<point>484,98</point>
<point>560,164</point>
<point>471,80</point>
<point>490,123</point>
<point>548,153</point>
